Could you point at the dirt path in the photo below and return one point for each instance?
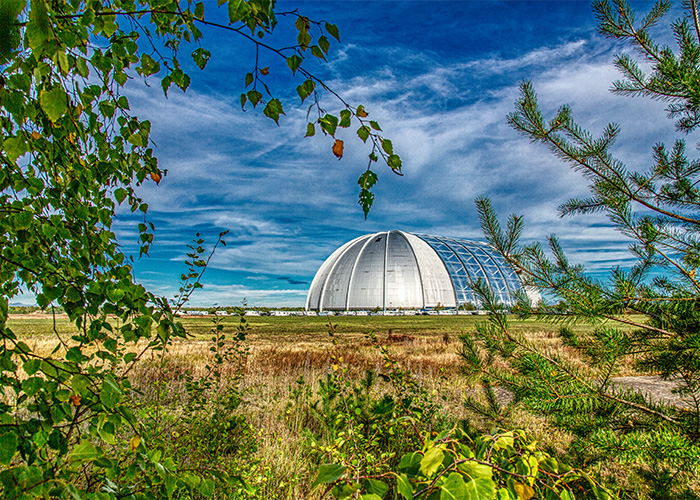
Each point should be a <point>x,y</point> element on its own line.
<point>656,388</point>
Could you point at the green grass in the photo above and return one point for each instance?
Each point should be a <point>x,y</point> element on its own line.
<point>305,328</point>
<point>299,327</point>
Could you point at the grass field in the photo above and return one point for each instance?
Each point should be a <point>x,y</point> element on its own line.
<point>427,345</point>
<point>284,354</point>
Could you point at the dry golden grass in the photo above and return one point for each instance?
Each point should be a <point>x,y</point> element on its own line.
<point>281,350</point>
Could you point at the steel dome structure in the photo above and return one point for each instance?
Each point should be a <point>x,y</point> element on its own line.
<point>401,270</point>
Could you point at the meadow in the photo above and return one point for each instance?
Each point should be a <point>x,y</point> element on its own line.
<point>264,407</point>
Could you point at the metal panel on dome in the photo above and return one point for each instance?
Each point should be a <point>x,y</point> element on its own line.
<point>436,284</point>
<point>402,287</point>
<point>335,289</point>
<point>367,282</point>
<point>313,300</point>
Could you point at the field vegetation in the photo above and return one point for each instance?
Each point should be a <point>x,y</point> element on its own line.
<point>271,399</point>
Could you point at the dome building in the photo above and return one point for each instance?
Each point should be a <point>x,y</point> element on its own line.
<point>401,270</point>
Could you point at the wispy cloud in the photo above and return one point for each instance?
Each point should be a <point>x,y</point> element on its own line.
<point>289,203</point>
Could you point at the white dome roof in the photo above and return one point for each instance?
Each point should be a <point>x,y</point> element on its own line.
<point>396,269</point>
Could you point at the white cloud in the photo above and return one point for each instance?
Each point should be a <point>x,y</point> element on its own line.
<point>289,203</point>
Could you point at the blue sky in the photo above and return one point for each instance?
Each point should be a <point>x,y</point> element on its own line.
<point>440,77</point>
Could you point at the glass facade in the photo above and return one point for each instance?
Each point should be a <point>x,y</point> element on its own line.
<point>470,261</point>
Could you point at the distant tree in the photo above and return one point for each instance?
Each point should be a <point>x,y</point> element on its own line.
<point>71,152</point>
<point>647,316</point>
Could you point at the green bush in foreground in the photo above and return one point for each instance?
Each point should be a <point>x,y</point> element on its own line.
<point>502,465</point>
<point>71,153</point>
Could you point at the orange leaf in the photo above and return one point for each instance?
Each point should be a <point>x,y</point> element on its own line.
<point>264,71</point>
<point>75,399</point>
<point>156,177</point>
<point>360,111</point>
<point>338,148</point>
<point>36,135</point>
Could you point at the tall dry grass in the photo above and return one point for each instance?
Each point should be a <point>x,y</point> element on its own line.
<point>282,351</point>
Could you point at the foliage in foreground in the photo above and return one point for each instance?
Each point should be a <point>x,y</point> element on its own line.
<point>398,447</point>
<point>452,465</point>
<point>658,210</point>
<point>71,153</point>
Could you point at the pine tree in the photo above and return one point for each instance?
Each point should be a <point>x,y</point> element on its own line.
<point>648,315</point>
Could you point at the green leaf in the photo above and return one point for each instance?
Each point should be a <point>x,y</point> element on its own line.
<point>481,489</point>
<point>329,124</point>
<point>403,486</point>
<point>294,61</point>
<point>304,39</point>
<point>387,146</point>
<point>379,488</point>
<point>305,89</point>
<point>505,440</point>
<point>206,487</point>
<point>54,102</point>
<point>431,461</point>
<point>366,200</point>
<point>310,130</point>
<point>201,57</point>
<point>38,26</point>
<point>10,36</point>
<point>345,116</point>
<point>327,473</point>
<point>600,492</point>
<point>345,491</point>
<point>273,109</point>
<point>249,79</point>
<point>375,125</point>
<point>316,51</point>
<point>15,147</point>
<point>454,488</point>
<point>120,194</point>
<point>85,451</point>
<point>110,394</point>
<point>4,309</point>
<point>115,294</point>
<point>8,447</point>
<point>324,44</point>
<point>524,491</point>
<point>149,66</point>
<point>367,179</point>
<point>363,133</point>
<point>199,10</point>
<point>394,161</point>
<point>302,24</point>
<point>237,10</point>
<point>80,383</point>
<point>32,385</point>
<point>31,366</point>
<point>82,67</point>
<point>254,97</point>
<point>332,30</point>
<point>476,470</point>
